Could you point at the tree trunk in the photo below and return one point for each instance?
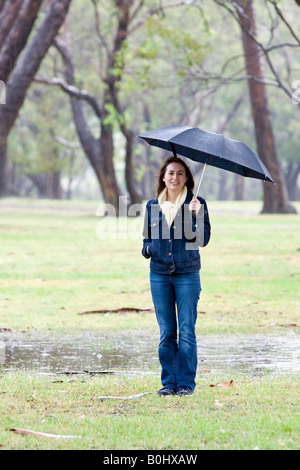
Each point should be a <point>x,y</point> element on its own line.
<point>238,188</point>
<point>291,178</point>
<point>25,69</point>
<point>275,196</point>
<point>98,151</point>
<point>238,182</point>
<point>3,168</point>
<point>16,22</point>
<point>112,80</point>
<point>105,166</point>
<point>135,197</point>
<point>20,20</point>
<point>8,13</point>
<point>47,184</point>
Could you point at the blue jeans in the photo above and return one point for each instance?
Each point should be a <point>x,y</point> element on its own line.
<point>177,352</point>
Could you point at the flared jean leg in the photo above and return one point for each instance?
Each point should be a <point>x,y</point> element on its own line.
<point>187,293</point>
<point>177,353</point>
<point>163,296</point>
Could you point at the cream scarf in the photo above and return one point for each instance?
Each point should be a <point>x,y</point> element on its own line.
<point>168,208</point>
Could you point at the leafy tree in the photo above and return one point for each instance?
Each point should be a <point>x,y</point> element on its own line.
<point>275,196</point>
<point>125,69</point>
<point>254,47</point>
<point>36,149</point>
<point>18,70</point>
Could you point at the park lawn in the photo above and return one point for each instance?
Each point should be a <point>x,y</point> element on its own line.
<point>253,413</point>
<point>53,267</point>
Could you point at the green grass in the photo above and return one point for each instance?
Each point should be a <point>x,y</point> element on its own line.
<point>53,267</point>
<point>252,414</point>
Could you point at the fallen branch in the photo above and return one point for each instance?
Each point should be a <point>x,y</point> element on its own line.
<point>118,310</point>
<point>95,372</point>
<point>43,434</point>
<point>123,398</point>
<point>91,372</point>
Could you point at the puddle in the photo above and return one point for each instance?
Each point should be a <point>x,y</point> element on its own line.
<point>251,354</point>
<point>86,351</point>
<point>136,351</point>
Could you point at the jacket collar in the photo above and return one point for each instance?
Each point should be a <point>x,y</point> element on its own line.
<point>189,197</point>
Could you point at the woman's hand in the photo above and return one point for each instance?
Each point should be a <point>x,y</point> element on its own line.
<point>195,205</point>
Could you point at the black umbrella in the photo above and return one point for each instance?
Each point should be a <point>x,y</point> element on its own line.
<point>210,149</point>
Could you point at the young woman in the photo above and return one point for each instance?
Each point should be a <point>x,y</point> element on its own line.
<point>176,224</point>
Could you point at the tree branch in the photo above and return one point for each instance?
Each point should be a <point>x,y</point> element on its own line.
<point>280,14</point>
<point>88,142</point>
<point>123,398</point>
<point>73,91</point>
<point>101,37</point>
<point>66,143</point>
<point>265,50</point>
<point>155,11</point>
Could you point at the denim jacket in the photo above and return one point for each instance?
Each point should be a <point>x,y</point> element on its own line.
<point>175,248</point>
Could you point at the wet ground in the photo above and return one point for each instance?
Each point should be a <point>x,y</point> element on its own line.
<point>136,351</point>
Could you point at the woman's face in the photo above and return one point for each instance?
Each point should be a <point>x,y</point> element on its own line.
<point>175,177</point>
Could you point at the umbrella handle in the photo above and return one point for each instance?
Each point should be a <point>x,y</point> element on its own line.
<point>173,149</point>
<point>203,171</point>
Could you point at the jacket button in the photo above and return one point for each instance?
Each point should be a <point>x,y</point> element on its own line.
<point>170,254</point>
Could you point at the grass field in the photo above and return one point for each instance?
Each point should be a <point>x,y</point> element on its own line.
<point>53,267</point>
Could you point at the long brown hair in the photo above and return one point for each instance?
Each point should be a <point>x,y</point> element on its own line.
<point>172,159</point>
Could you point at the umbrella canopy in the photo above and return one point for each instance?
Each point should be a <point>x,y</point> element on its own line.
<point>210,149</point>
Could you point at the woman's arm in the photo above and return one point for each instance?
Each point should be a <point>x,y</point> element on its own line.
<point>146,252</point>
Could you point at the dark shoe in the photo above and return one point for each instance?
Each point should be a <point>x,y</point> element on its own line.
<point>163,392</point>
<point>182,391</point>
